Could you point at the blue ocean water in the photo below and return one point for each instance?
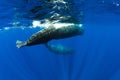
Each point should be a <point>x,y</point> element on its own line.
<point>96,55</point>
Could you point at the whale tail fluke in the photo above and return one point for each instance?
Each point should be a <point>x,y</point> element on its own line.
<point>20,44</point>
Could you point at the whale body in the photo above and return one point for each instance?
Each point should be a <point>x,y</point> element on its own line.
<point>52,32</point>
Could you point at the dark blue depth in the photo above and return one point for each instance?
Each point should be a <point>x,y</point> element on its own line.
<point>97,52</point>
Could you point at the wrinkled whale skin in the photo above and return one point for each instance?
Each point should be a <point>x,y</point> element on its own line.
<point>50,33</point>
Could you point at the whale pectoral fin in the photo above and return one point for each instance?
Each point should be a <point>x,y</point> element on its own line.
<point>20,44</point>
